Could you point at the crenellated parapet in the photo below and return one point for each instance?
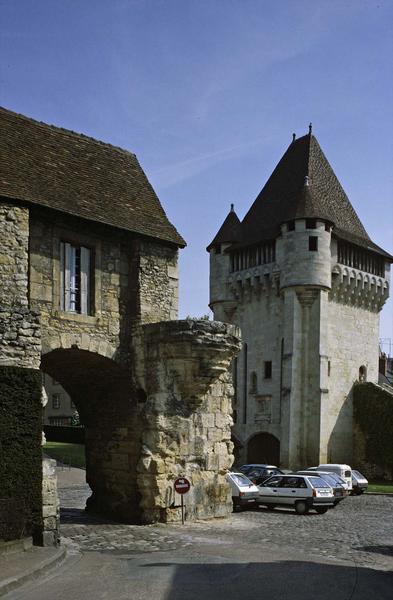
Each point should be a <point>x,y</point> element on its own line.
<point>253,284</point>
<point>357,288</point>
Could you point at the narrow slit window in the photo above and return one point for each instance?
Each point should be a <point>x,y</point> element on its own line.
<point>75,279</point>
<point>313,243</point>
<point>268,369</point>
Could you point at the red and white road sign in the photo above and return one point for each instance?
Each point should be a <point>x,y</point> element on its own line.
<point>182,485</point>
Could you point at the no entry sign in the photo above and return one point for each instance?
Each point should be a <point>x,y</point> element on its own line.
<point>182,485</point>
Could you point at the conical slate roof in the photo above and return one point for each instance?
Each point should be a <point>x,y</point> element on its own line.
<point>303,185</point>
<point>229,232</point>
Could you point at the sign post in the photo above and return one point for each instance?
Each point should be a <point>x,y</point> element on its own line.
<point>182,486</point>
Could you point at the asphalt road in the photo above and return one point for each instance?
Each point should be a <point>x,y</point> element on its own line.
<point>346,554</point>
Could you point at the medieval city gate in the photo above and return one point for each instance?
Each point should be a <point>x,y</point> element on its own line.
<point>89,294</point>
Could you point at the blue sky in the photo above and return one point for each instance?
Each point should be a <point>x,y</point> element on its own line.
<point>207,93</point>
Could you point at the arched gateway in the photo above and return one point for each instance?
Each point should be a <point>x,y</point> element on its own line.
<point>264,448</point>
<point>89,292</point>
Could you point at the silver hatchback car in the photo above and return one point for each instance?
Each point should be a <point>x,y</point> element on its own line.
<point>301,492</point>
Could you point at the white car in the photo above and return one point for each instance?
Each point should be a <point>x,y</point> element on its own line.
<point>359,483</point>
<point>301,492</point>
<point>244,491</point>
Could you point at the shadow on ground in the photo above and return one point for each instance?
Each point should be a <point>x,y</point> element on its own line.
<point>279,580</point>
<point>386,550</point>
<point>78,516</point>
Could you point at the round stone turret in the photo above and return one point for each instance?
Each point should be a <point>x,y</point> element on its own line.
<point>303,253</point>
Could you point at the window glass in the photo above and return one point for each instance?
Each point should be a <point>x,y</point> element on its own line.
<point>273,482</point>
<point>75,278</point>
<point>317,482</point>
<point>241,480</point>
<point>55,400</point>
<point>347,473</point>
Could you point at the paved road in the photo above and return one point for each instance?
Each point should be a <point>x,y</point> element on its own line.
<point>345,554</point>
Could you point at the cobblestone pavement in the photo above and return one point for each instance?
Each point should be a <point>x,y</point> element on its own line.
<point>359,530</point>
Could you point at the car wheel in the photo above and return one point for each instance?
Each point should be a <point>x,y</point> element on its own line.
<point>236,507</point>
<point>321,510</point>
<point>270,506</point>
<point>301,507</point>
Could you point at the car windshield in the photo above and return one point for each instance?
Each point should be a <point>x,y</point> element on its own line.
<point>357,474</point>
<point>317,482</point>
<point>241,480</point>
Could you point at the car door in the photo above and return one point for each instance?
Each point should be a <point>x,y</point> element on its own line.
<point>291,489</point>
<point>270,490</point>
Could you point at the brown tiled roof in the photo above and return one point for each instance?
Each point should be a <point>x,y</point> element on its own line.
<point>303,185</point>
<point>229,231</point>
<point>80,176</point>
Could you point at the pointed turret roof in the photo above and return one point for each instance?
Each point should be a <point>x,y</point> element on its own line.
<point>229,232</point>
<point>303,185</point>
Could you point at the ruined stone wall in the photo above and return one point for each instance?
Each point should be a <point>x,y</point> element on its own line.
<point>187,418</point>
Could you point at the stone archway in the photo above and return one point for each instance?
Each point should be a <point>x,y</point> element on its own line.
<point>264,448</point>
<point>103,395</point>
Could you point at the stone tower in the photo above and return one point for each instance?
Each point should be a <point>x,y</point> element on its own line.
<point>305,283</point>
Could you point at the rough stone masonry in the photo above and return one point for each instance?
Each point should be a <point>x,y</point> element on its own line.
<point>89,294</point>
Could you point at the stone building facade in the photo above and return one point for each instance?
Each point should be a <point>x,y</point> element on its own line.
<point>304,282</point>
<point>89,295</point>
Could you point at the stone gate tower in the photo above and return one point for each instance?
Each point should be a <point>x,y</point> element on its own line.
<point>305,283</point>
<point>89,296</point>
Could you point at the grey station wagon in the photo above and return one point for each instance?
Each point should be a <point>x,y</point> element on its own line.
<point>300,492</point>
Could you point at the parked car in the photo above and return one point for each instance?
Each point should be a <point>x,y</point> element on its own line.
<point>359,483</point>
<point>259,473</point>
<point>302,492</point>
<point>338,485</point>
<point>344,471</point>
<point>244,491</point>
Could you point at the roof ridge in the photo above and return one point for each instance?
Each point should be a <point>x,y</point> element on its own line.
<point>69,132</point>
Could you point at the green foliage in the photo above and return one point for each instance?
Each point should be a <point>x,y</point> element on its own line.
<point>20,453</point>
<point>382,487</point>
<point>69,454</point>
<point>373,412</point>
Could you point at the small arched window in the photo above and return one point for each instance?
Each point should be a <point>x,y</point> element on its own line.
<point>362,374</point>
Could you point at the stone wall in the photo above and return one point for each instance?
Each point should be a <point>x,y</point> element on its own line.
<point>50,504</point>
<point>135,281</point>
<point>352,343</point>
<point>158,282</point>
<point>20,342</point>
<point>187,418</point>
